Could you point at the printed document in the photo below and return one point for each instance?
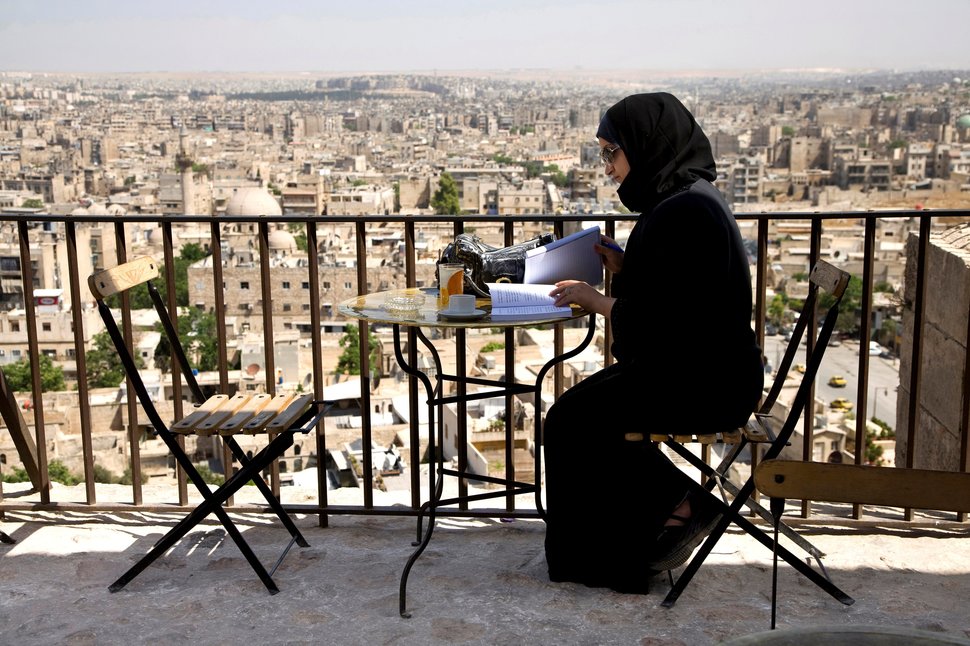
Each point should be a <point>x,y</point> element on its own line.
<point>572,257</point>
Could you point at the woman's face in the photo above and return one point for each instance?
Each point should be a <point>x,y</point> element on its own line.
<point>619,167</point>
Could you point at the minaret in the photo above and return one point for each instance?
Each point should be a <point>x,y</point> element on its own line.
<point>184,163</point>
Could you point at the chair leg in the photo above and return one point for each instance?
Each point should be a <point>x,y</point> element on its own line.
<point>777,509</point>
<point>732,514</point>
<point>212,503</point>
<point>271,500</point>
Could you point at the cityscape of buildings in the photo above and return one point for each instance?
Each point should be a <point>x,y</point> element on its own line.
<point>96,145</point>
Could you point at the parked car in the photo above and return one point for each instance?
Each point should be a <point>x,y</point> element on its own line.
<point>837,381</point>
<point>800,367</point>
<point>840,403</point>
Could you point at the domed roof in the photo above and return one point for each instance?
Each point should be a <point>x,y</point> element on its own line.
<point>281,240</point>
<point>252,201</point>
<point>963,121</point>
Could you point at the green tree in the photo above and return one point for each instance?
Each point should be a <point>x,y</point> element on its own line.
<point>787,131</point>
<point>299,235</point>
<point>104,366</point>
<point>19,378</point>
<point>197,333</point>
<point>33,203</point>
<point>848,321</point>
<point>349,361</point>
<point>533,168</point>
<point>445,199</point>
<point>557,176</point>
<point>777,308</point>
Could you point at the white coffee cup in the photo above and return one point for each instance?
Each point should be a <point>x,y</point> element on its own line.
<point>461,304</point>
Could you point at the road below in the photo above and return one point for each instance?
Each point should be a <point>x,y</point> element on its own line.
<point>843,359</point>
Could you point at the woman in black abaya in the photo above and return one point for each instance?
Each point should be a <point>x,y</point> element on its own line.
<point>686,358</point>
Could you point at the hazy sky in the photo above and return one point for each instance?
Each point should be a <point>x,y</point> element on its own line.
<point>399,35</point>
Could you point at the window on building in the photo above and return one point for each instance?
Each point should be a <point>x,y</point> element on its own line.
<point>306,307</point>
<point>49,353</point>
<point>326,284</point>
<point>287,307</point>
<point>348,285</point>
<point>305,284</point>
<point>46,327</point>
<point>286,284</point>
<point>15,327</point>
<point>244,284</point>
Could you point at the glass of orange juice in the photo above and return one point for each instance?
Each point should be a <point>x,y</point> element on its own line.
<point>451,280</point>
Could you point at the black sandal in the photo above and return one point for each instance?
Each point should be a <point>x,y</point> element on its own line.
<point>675,543</point>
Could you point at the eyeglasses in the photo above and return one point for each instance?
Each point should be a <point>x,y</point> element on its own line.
<point>608,153</point>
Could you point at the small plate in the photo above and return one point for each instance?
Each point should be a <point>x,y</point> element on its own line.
<point>462,316</point>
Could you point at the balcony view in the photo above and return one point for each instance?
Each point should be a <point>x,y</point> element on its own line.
<point>243,186</point>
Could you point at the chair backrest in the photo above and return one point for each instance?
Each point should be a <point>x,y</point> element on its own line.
<point>861,484</point>
<point>116,280</point>
<point>824,278</point>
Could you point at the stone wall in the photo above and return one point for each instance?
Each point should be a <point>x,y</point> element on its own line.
<point>947,307</point>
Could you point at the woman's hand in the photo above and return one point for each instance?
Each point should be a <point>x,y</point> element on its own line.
<point>611,252</point>
<point>582,294</point>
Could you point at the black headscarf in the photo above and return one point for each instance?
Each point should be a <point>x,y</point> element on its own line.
<point>666,148</point>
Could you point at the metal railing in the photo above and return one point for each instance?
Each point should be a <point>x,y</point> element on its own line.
<point>512,228</point>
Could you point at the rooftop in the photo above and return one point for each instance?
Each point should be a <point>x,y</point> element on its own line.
<point>479,582</point>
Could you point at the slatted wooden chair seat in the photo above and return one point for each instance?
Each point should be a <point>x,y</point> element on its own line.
<point>727,437</point>
<point>242,413</point>
<point>278,417</point>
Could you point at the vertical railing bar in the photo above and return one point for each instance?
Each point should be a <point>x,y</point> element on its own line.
<point>80,362</point>
<point>269,347</point>
<point>366,438</point>
<point>808,415</point>
<point>414,437</point>
<point>37,391</point>
<point>865,334</point>
<point>760,313</point>
<point>316,349</point>
<point>219,301</point>
<point>508,239</point>
<point>461,406</point>
<point>558,337</point>
<point>168,255</point>
<point>121,249</point>
<point>919,305</point>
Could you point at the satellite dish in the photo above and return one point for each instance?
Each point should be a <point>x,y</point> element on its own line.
<point>252,369</point>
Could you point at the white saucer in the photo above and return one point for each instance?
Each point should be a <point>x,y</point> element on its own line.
<point>462,316</point>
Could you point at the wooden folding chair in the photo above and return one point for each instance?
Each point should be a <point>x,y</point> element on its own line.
<point>857,484</point>
<point>761,430</point>
<point>278,417</point>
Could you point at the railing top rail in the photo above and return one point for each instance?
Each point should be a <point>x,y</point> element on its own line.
<point>448,219</point>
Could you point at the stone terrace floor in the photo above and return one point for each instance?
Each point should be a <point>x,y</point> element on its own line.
<point>479,582</point>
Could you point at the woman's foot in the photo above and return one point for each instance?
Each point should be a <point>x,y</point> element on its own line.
<point>685,529</point>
